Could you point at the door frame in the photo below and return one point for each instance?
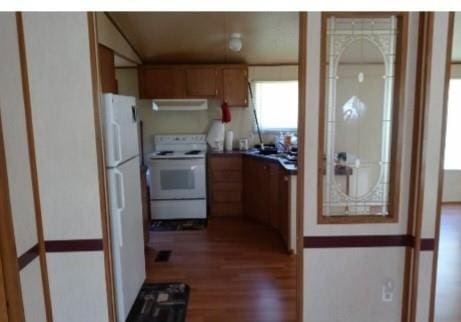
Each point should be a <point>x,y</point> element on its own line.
<point>441,165</point>
<point>302,95</point>
<point>10,285</point>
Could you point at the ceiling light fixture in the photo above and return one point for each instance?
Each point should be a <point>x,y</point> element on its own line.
<point>235,41</point>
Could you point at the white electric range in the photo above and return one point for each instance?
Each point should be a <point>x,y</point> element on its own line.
<point>177,177</point>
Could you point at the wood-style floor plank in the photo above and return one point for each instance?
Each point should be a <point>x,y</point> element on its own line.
<point>238,270</point>
<point>448,292</point>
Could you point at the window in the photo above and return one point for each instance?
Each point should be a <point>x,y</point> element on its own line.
<point>452,147</point>
<point>277,105</point>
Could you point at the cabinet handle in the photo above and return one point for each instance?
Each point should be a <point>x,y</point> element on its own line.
<point>285,178</point>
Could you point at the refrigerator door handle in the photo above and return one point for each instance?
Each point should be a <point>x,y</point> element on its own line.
<point>120,203</point>
<point>117,143</point>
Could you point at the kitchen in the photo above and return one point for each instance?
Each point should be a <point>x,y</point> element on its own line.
<point>218,153</point>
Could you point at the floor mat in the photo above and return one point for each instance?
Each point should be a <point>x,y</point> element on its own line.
<point>163,302</point>
<point>174,225</point>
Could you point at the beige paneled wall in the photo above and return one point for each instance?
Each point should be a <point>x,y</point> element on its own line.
<point>18,166</point>
<point>60,82</point>
<point>109,36</point>
<point>353,285</point>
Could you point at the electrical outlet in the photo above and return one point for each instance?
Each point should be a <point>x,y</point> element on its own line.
<point>387,291</point>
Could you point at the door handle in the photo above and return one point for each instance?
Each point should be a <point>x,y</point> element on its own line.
<point>117,145</point>
<point>120,204</point>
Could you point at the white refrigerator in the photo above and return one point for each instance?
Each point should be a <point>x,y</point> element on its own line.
<point>124,188</point>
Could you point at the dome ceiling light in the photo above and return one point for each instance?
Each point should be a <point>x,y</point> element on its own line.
<point>235,41</point>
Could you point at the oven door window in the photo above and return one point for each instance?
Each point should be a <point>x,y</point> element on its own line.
<point>177,179</point>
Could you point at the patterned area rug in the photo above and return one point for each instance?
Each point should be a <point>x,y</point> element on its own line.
<point>163,302</point>
<point>182,224</point>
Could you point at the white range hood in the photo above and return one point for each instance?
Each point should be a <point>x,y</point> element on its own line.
<point>190,104</point>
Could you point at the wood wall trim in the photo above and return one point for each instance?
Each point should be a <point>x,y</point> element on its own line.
<point>8,253</point>
<point>3,300</point>
<point>74,245</point>
<point>103,199</point>
<point>451,19</point>
<point>33,166</point>
<point>112,21</point>
<point>302,95</point>
<point>26,258</point>
<point>425,34</point>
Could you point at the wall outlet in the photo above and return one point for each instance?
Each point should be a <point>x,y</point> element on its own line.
<point>387,291</point>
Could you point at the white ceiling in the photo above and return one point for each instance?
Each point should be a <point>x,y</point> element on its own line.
<point>456,55</point>
<point>202,37</point>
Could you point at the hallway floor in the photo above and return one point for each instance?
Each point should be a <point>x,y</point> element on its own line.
<point>238,270</point>
<point>448,295</point>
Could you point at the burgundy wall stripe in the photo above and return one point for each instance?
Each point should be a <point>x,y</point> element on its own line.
<point>427,244</point>
<point>73,245</point>
<point>26,258</point>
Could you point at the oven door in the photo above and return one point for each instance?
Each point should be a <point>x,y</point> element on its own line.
<point>177,179</point>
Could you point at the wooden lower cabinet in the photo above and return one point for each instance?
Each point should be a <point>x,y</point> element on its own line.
<point>258,188</point>
<point>266,194</point>
<point>225,185</point>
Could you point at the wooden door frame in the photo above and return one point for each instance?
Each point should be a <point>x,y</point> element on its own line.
<point>8,254</point>
<point>302,95</point>
<point>425,47</point>
<point>449,49</point>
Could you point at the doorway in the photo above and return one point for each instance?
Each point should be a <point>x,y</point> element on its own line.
<point>238,269</point>
<point>448,286</point>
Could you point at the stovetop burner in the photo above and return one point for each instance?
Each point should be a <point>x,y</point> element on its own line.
<point>193,152</point>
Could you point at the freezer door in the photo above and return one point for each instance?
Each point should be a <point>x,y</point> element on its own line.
<point>120,128</point>
<point>127,234</point>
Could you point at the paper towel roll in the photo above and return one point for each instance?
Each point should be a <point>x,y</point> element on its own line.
<point>229,141</point>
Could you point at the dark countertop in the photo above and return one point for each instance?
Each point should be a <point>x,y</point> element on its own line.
<point>292,169</point>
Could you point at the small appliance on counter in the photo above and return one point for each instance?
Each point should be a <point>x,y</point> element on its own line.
<point>215,137</point>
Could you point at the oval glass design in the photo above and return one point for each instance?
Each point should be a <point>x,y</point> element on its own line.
<point>360,63</point>
<point>359,112</point>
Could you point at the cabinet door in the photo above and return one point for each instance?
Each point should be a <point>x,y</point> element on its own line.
<point>235,86</point>
<point>274,199</point>
<point>284,206</point>
<point>155,83</point>
<point>107,70</point>
<point>202,82</point>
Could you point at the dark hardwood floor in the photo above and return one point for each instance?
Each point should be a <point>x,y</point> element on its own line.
<point>238,270</point>
<point>448,292</point>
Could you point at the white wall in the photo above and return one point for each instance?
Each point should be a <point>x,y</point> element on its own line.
<point>198,121</point>
<point>452,178</point>
<point>351,288</point>
<point>18,166</point>
<point>59,70</point>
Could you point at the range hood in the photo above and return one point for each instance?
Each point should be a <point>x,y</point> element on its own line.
<point>189,104</point>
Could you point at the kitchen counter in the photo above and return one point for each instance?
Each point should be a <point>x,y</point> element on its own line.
<point>292,169</point>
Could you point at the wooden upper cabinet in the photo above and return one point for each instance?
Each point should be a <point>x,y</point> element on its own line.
<point>235,86</point>
<point>107,70</point>
<point>202,81</point>
<point>162,83</point>
<point>223,82</point>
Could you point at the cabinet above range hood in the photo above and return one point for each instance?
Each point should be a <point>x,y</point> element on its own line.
<point>189,104</point>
